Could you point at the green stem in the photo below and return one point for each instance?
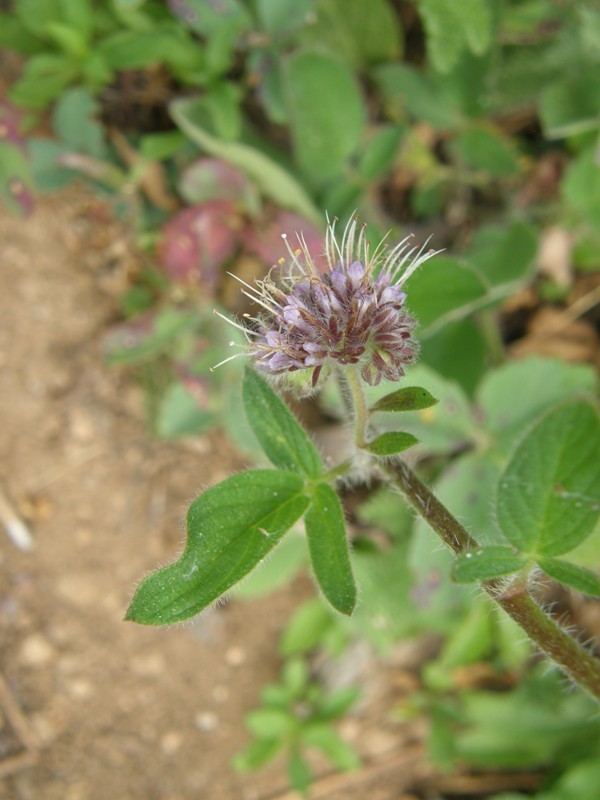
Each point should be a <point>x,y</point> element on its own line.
<point>489,327</point>
<point>359,405</point>
<point>514,598</point>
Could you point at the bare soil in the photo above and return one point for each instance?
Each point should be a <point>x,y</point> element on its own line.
<point>103,710</point>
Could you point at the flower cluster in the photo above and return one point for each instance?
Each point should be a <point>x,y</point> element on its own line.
<point>351,313</point>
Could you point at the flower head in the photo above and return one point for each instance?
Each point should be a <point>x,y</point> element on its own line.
<point>351,313</point>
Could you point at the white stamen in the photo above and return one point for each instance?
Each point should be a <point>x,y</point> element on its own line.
<point>235,324</point>
<point>292,254</point>
<point>257,295</point>
<point>331,245</point>
<point>226,360</point>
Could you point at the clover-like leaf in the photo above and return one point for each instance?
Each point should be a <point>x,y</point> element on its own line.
<point>231,528</point>
<point>549,494</point>
<point>282,437</point>
<point>584,580</point>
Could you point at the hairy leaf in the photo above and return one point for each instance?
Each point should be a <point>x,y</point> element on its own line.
<point>329,551</point>
<point>410,398</point>
<point>489,562</point>
<point>282,437</point>
<point>230,529</point>
<point>549,495</point>
<point>392,442</point>
<point>584,580</point>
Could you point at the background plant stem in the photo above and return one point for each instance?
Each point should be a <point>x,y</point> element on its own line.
<point>544,631</point>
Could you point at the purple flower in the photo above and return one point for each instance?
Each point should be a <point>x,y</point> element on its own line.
<point>351,314</point>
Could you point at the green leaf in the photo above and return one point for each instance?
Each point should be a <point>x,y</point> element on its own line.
<point>208,18</point>
<point>580,782</point>
<point>405,89</point>
<point>74,120</point>
<point>295,677</point>
<point>572,105</point>
<point>392,442</point>
<point>580,186</point>
<point>382,510</point>
<point>136,49</point>
<point>222,104</point>
<point>306,629</point>
<point>515,393</point>
<point>44,78</point>
<point>445,427</point>
<point>283,16</point>
<point>269,723</point>
<point>489,562</point>
<point>435,602</point>
<point>444,290</point>
<point>180,414</point>
<point>451,27</point>
<point>379,152</point>
<point>359,32</point>
<point>79,14</point>
<point>504,255</point>
<point>273,180</point>
<point>35,15</point>
<point>68,39</point>
<point>160,146</point>
<point>221,25</point>
<point>410,398</point>
<point>95,71</point>
<point>257,754</point>
<point>329,551</point>
<point>439,349</point>
<point>48,173</point>
<point>281,436</point>
<point>534,725</point>
<point>469,642</point>
<point>325,739</point>
<point>230,529</point>
<point>580,578</point>
<point>549,494</point>
<point>486,149</point>
<point>327,132</point>
<point>14,36</point>
<point>338,703</point>
<point>282,564</point>
<point>298,772</point>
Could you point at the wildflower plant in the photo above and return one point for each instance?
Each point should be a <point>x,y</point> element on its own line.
<point>345,316</point>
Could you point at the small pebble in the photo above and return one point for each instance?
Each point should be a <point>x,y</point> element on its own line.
<point>206,721</point>
<point>236,656</point>
<point>170,742</point>
<point>36,651</point>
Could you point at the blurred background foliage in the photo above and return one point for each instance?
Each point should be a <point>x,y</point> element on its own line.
<point>213,126</point>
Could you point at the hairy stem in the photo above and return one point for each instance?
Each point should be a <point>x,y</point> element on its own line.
<point>515,599</point>
<point>359,403</point>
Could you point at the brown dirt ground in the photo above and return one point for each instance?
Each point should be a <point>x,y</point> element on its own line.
<point>92,708</point>
<point>113,711</point>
